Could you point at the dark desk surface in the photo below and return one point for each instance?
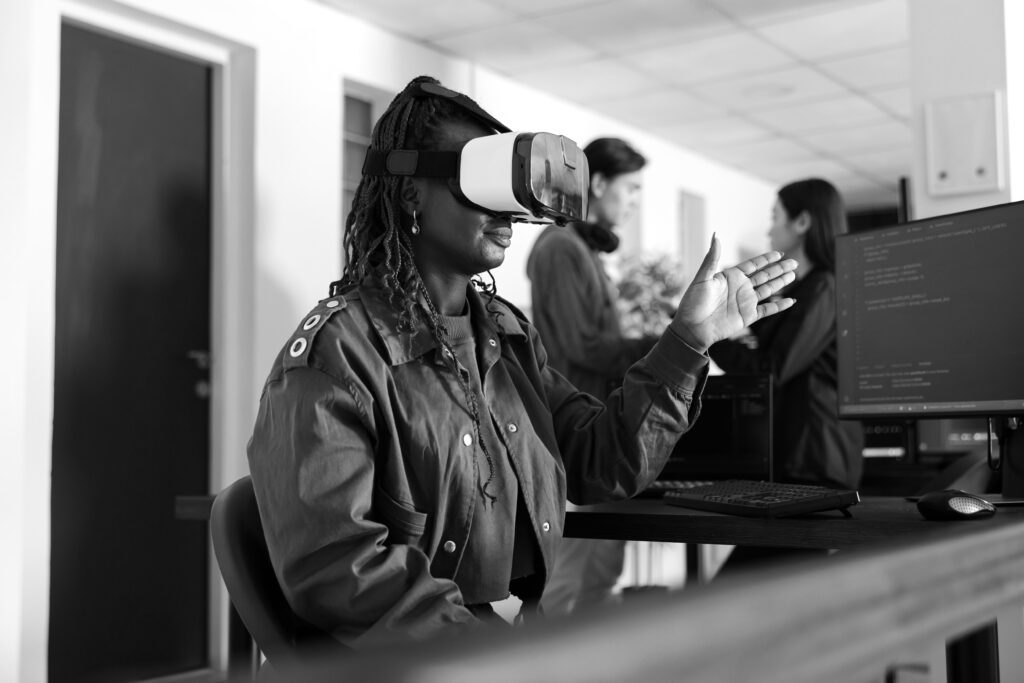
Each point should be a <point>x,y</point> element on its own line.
<point>875,520</point>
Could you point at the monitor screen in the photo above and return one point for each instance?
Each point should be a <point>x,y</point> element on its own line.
<point>732,437</point>
<point>929,318</point>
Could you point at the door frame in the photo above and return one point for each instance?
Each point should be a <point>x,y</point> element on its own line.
<point>232,246</point>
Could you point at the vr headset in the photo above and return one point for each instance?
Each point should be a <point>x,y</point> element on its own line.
<point>529,177</point>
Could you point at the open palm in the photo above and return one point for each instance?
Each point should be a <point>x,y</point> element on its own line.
<point>717,305</point>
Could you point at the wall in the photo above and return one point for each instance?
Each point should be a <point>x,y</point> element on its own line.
<point>299,53</point>
<point>957,50</point>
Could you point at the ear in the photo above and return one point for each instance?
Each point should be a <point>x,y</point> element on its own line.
<point>802,223</point>
<point>598,184</point>
<point>409,195</point>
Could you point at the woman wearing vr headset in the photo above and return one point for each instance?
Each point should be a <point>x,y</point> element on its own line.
<point>413,451</point>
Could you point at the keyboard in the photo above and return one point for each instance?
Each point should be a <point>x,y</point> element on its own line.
<point>761,498</point>
<point>658,487</point>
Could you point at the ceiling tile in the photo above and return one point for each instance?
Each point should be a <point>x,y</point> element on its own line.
<point>616,27</point>
<point>860,138</point>
<point>588,81</point>
<point>884,164</point>
<point>896,100</point>
<point>516,47</point>
<point>765,152</point>
<point>759,12</point>
<point>538,7</point>
<point>787,172</point>
<point>424,21</point>
<point>662,105</point>
<point>709,59</point>
<point>852,29</point>
<point>768,90</point>
<point>716,132</point>
<point>863,72</point>
<point>821,114</point>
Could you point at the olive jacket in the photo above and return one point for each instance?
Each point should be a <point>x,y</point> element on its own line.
<point>366,472</point>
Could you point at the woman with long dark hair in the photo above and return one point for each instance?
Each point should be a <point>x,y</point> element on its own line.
<point>811,444</point>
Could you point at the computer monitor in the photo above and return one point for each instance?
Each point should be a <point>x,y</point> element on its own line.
<point>732,437</point>
<point>929,318</point>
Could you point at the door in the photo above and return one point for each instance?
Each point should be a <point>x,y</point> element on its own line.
<point>128,582</point>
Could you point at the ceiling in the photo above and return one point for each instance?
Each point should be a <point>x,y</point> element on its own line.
<point>782,89</point>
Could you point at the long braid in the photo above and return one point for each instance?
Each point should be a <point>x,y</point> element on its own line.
<point>377,243</point>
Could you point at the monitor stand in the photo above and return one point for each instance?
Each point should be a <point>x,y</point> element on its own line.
<point>1012,467</point>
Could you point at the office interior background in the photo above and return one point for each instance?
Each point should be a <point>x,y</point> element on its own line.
<point>728,99</point>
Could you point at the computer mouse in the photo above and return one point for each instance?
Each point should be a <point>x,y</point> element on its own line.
<point>952,504</point>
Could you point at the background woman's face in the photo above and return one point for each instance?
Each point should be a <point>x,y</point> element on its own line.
<point>619,199</point>
<point>782,235</point>
<point>455,239</point>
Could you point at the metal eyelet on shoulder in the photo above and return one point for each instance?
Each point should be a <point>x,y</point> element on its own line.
<point>311,322</point>
<point>297,348</point>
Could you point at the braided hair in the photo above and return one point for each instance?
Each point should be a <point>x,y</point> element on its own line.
<point>377,242</point>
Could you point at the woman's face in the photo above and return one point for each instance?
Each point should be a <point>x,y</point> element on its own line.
<point>455,240</point>
<point>783,234</point>
<point>615,200</point>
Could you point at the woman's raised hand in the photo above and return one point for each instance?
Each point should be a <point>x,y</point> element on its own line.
<point>717,305</point>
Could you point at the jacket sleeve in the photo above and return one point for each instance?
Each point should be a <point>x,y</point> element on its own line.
<point>563,304</point>
<point>802,334</point>
<point>614,449</point>
<point>312,462</point>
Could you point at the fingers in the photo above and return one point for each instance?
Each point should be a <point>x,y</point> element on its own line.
<point>768,288</point>
<point>771,271</point>
<point>709,266</point>
<point>772,307</point>
<point>758,262</point>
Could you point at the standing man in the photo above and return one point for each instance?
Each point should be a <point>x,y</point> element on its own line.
<point>574,311</point>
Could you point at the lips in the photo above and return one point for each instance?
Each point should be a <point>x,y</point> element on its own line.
<point>500,233</point>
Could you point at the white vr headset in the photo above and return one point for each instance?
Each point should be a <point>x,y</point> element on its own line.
<point>529,177</point>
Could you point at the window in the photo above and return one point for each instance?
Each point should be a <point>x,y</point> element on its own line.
<point>358,118</point>
<point>362,106</point>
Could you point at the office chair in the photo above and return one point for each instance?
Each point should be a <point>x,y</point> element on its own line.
<point>241,551</point>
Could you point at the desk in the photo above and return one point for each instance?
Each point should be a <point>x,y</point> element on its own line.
<point>875,520</point>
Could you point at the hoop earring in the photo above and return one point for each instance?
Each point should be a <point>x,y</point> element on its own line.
<point>415,229</point>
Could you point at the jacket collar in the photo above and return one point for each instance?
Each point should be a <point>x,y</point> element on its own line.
<point>404,346</point>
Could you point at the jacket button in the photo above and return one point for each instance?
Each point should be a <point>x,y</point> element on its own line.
<point>545,526</point>
<point>512,427</point>
<point>492,342</point>
<point>449,546</point>
<point>467,439</point>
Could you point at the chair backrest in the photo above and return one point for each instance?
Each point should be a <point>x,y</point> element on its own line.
<point>241,551</point>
